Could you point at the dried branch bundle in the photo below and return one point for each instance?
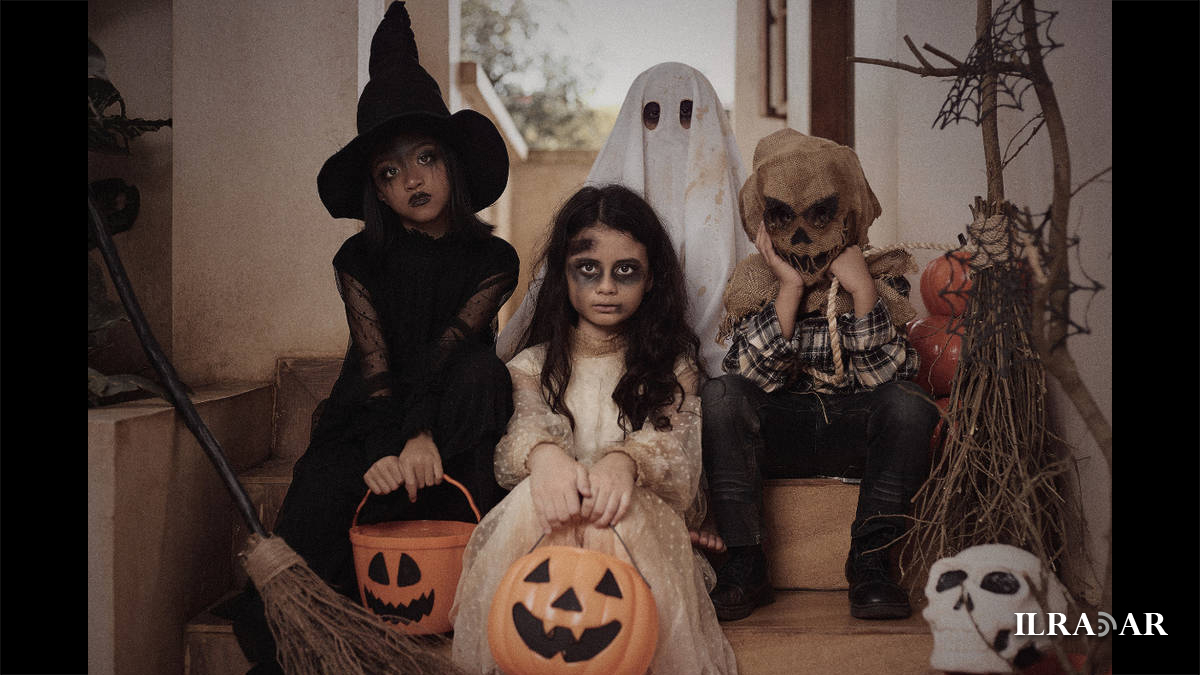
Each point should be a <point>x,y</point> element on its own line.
<point>996,477</point>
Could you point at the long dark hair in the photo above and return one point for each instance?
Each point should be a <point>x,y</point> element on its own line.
<point>383,228</point>
<point>656,335</point>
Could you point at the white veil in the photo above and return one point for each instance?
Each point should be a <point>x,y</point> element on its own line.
<point>690,176</point>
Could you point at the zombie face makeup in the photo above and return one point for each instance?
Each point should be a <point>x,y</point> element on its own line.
<point>410,177</point>
<point>608,275</point>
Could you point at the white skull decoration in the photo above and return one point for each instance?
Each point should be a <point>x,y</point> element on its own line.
<point>974,598</point>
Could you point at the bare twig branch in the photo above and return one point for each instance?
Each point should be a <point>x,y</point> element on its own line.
<point>917,53</point>
<point>1040,123</point>
<point>923,72</point>
<point>1091,180</point>
<point>937,52</point>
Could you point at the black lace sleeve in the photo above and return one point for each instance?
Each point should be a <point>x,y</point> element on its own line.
<point>366,334</point>
<point>402,390</point>
<point>475,321</point>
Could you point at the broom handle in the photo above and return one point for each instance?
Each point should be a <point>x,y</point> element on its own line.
<point>177,395</point>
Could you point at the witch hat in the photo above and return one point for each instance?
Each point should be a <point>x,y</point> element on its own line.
<point>402,97</point>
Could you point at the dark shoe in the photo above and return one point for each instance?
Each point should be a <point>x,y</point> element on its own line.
<point>873,593</point>
<point>742,584</point>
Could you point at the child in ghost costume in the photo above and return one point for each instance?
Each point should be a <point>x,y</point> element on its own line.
<point>672,144</point>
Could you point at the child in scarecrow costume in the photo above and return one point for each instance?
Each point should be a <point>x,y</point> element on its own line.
<point>421,392</point>
<point>802,398</point>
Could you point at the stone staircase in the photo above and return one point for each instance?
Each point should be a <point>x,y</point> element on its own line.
<point>807,630</point>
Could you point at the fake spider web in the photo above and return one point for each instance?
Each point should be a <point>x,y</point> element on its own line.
<point>1001,50</point>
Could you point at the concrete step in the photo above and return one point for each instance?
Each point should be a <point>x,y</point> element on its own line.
<point>802,632</point>
<point>300,384</point>
<point>805,632</point>
<point>158,521</point>
<point>266,485</point>
<point>210,647</point>
<point>807,523</point>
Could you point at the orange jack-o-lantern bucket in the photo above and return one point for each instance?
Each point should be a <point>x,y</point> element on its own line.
<point>569,610</point>
<point>408,569</point>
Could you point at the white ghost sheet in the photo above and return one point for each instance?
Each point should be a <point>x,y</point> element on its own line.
<point>690,175</point>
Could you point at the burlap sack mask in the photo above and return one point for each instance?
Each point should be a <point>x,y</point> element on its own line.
<point>815,201</point>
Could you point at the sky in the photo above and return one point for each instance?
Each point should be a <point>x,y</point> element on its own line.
<point>622,38</point>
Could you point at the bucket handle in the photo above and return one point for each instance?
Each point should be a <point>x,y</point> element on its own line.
<point>621,539</point>
<point>447,478</point>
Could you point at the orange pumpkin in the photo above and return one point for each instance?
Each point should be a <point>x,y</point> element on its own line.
<point>939,347</point>
<point>945,283</point>
<point>572,611</point>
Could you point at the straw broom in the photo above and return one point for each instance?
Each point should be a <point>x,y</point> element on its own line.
<point>317,630</point>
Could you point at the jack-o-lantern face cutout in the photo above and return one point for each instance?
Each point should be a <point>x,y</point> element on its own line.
<point>568,610</point>
<point>398,602</point>
<point>813,198</point>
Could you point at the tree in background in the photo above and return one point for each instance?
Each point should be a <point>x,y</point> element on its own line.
<point>544,91</point>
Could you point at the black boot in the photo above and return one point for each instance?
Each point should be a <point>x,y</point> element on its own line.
<point>742,584</point>
<point>873,592</point>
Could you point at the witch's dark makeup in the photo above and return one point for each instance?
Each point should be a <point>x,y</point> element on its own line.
<point>388,165</point>
<point>410,177</point>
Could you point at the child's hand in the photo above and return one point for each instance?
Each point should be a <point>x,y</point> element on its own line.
<point>418,465</point>
<point>612,488</point>
<point>850,269</point>
<point>556,482</point>
<point>789,278</point>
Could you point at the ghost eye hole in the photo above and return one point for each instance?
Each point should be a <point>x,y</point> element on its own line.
<point>650,114</point>
<point>777,215</point>
<point>823,212</point>
<point>685,113</point>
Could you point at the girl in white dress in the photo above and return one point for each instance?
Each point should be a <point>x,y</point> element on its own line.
<point>606,431</point>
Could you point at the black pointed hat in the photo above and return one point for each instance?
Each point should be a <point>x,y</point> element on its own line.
<point>401,96</point>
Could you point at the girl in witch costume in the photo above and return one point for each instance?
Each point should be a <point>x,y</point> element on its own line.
<point>421,393</point>
<point>606,430</point>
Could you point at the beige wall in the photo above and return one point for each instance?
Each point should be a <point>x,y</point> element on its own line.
<point>538,186</point>
<point>265,92</point>
<point>749,120</point>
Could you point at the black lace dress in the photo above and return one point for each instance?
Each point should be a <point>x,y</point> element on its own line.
<point>421,357</point>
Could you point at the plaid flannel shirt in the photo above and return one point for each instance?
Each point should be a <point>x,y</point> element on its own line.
<point>873,351</point>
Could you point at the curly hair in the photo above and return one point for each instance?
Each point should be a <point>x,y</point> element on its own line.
<point>656,335</point>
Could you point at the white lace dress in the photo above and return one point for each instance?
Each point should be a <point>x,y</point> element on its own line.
<point>665,503</point>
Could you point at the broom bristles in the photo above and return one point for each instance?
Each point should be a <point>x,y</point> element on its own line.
<point>319,631</point>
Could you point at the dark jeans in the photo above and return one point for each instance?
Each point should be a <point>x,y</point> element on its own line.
<point>317,512</point>
<point>881,436</point>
